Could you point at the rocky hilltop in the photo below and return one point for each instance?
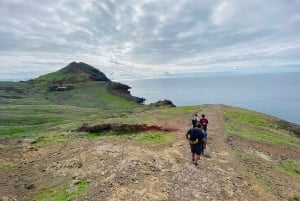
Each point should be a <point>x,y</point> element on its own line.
<point>75,72</point>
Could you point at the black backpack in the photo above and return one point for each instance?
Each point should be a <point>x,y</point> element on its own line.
<point>195,122</point>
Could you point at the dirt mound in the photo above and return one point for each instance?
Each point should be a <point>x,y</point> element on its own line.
<point>124,128</point>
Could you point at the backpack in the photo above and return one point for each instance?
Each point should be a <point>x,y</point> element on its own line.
<point>195,122</point>
<point>193,138</point>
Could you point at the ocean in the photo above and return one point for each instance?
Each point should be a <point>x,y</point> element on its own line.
<point>277,94</point>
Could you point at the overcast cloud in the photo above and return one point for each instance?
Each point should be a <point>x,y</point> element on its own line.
<point>148,37</point>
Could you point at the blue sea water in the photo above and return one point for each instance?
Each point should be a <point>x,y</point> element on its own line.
<point>277,94</point>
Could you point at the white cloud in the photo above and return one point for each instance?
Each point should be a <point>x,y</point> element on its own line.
<point>223,13</point>
<point>147,36</point>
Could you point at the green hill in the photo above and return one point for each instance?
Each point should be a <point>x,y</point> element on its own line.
<point>74,93</point>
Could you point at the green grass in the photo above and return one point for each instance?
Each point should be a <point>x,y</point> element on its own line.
<point>146,114</point>
<point>292,167</point>
<point>102,134</point>
<point>244,116</point>
<point>35,116</point>
<point>7,165</point>
<point>66,193</point>
<point>8,131</point>
<point>49,139</point>
<point>255,126</point>
<point>144,137</point>
<point>154,137</point>
<point>256,134</point>
<point>89,95</point>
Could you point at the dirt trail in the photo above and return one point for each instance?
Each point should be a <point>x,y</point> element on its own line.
<point>216,178</point>
<point>125,169</point>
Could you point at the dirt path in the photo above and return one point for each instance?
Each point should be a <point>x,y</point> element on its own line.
<point>216,178</point>
<point>124,169</point>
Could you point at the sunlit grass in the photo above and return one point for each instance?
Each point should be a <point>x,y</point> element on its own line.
<point>292,167</point>
<point>7,165</point>
<point>66,193</point>
<point>49,139</point>
<point>155,137</point>
<point>255,126</point>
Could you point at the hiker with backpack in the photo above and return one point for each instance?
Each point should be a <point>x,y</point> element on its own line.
<point>195,137</point>
<point>203,123</point>
<point>195,120</point>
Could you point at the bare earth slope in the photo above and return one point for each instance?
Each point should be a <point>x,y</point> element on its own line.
<point>122,168</point>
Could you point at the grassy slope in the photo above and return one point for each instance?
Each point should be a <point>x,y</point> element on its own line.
<point>39,110</point>
<point>263,134</point>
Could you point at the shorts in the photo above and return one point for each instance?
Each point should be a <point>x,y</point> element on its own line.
<point>196,148</point>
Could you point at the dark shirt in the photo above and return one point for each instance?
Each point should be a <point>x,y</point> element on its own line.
<point>195,133</point>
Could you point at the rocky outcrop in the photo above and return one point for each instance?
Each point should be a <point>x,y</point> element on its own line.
<point>160,103</point>
<point>122,90</point>
<point>89,73</point>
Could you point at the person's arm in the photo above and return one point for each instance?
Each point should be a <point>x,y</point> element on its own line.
<point>187,135</point>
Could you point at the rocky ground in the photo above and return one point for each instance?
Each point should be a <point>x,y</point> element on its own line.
<point>122,168</point>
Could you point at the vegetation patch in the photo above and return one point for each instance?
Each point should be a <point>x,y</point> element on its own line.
<point>256,134</point>
<point>244,116</point>
<point>70,191</point>
<point>292,167</point>
<point>50,139</point>
<point>7,165</point>
<point>256,127</point>
<point>155,137</point>
<point>7,131</point>
<point>151,113</point>
<point>28,120</point>
<point>101,134</point>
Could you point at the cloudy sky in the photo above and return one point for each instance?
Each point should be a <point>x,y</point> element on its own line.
<point>141,38</point>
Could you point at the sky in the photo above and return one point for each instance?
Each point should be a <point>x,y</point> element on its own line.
<point>148,38</point>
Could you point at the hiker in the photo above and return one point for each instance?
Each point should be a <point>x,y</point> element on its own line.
<point>195,120</point>
<point>203,122</point>
<point>195,137</point>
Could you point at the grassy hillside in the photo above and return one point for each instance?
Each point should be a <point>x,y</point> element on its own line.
<point>267,150</point>
<point>26,108</point>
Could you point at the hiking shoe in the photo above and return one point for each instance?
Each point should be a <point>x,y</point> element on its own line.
<point>196,164</point>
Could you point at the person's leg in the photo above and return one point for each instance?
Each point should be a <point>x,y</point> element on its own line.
<point>197,154</point>
<point>193,157</point>
<point>193,153</point>
<point>204,141</point>
<point>197,158</point>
